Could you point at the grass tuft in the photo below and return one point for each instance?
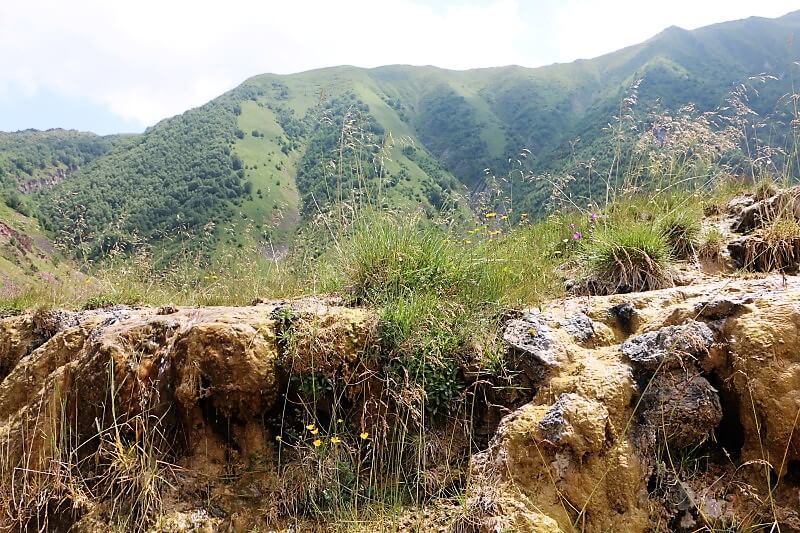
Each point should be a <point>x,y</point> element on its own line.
<point>681,230</point>
<point>776,247</point>
<point>712,245</point>
<point>627,259</point>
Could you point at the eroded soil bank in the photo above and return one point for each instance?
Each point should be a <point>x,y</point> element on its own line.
<point>671,410</point>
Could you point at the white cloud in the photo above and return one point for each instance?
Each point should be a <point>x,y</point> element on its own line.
<point>149,59</point>
<point>590,28</point>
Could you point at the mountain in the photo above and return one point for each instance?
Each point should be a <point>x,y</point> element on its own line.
<point>257,161</point>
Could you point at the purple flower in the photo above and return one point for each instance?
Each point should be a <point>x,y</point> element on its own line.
<point>593,217</point>
<point>576,236</point>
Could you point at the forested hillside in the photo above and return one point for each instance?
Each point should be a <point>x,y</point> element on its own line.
<point>251,165</point>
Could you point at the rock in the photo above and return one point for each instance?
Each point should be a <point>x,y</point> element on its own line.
<point>532,337</point>
<point>579,326</point>
<point>756,215</point>
<point>328,344</point>
<point>720,308</point>
<point>625,316</point>
<point>680,409</point>
<point>214,392</point>
<point>740,202</point>
<point>764,372</point>
<point>668,346</point>
<point>233,365</point>
<point>192,389</point>
<point>577,423</point>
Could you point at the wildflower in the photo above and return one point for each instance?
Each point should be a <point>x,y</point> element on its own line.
<point>317,443</point>
<point>490,215</point>
<point>504,217</point>
<point>467,241</point>
<point>335,440</point>
<point>315,431</point>
<point>279,438</point>
<point>493,233</point>
<point>593,217</point>
<point>576,236</point>
<point>310,427</point>
<point>339,420</point>
<point>364,435</point>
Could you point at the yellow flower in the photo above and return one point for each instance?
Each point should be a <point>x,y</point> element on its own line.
<point>490,215</point>
<point>317,443</point>
<point>310,427</point>
<point>335,440</point>
<point>364,435</point>
<point>339,420</point>
<point>278,438</point>
<point>467,241</point>
<point>314,431</point>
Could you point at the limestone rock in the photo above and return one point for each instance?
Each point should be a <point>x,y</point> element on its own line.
<point>678,408</point>
<point>575,422</point>
<point>668,346</point>
<point>579,326</point>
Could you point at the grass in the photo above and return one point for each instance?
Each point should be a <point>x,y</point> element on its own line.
<point>681,230</point>
<point>775,247</point>
<point>712,245</point>
<point>627,259</point>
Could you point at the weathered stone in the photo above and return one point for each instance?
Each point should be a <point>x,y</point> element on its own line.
<point>720,308</point>
<point>625,316</point>
<point>756,215</point>
<point>579,326</point>
<point>531,336</point>
<point>666,347</point>
<point>678,408</point>
<point>575,422</point>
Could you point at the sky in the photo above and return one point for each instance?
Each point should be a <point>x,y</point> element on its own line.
<point>113,66</point>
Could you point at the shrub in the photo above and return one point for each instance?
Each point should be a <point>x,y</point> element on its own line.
<point>12,199</point>
<point>100,301</point>
<point>626,259</point>
<point>681,230</point>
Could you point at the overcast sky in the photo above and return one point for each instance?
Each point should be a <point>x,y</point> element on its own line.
<point>120,65</point>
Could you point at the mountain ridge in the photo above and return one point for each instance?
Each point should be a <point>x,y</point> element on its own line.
<point>258,160</point>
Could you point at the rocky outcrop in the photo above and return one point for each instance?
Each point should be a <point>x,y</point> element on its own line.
<point>140,388</point>
<point>668,376</point>
<point>43,182</point>
<point>671,410</point>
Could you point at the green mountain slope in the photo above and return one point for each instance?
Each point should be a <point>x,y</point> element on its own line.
<point>256,162</point>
